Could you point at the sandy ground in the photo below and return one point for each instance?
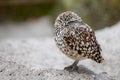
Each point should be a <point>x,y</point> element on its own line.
<point>28,29</point>
<point>37,49</point>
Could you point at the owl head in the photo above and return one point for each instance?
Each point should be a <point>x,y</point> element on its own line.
<point>65,18</point>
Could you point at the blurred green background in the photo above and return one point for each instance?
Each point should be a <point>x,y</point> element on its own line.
<point>96,13</point>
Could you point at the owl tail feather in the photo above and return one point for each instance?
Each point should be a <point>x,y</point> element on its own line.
<point>98,57</point>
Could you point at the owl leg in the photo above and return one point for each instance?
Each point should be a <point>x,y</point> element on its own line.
<point>72,67</point>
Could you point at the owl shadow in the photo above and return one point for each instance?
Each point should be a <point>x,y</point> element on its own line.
<point>83,70</point>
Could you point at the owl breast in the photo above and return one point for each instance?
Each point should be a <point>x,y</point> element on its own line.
<point>67,42</point>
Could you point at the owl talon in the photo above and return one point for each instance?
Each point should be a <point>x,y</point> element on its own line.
<point>71,68</point>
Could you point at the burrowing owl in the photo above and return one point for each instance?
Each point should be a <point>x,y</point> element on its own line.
<point>76,39</point>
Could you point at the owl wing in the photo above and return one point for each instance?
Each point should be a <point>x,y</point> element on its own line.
<point>83,41</point>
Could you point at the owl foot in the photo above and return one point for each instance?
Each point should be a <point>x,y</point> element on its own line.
<point>71,68</point>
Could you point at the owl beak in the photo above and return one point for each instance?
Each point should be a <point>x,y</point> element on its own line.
<point>65,24</point>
